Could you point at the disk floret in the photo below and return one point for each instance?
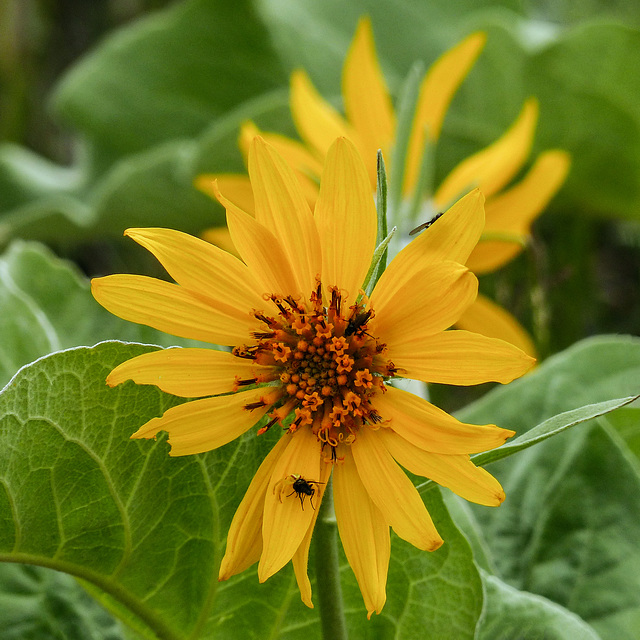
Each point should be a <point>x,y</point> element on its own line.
<point>329,367</point>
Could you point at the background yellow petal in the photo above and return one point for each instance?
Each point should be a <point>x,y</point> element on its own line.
<point>490,255</point>
<point>430,302</point>
<point>189,373</point>
<point>487,318</point>
<point>460,357</point>
<point>296,154</point>
<point>456,472</point>
<point>306,166</point>
<point>436,92</point>
<point>393,493</point>
<point>432,429</point>
<point>282,208</point>
<point>201,267</point>
<point>346,219</point>
<point>206,424</point>
<point>364,533</point>
<point>286,522</point>
<point>451,237</point>
<point>491,168</point>
<point>318,123</point>
<point>221,237</point>
<point>301,556</point>
<point>172,309</point>
<point>512,211</point>
<point>244,540</point>
<point>235,186</point>
<point>366,98</point>
<point>260,250</point>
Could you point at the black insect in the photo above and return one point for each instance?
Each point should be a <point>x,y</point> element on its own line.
<point>426,225</point>
<point>357,323</point>
<point>303,488</point>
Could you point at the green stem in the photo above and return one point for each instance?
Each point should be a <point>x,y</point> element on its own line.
<point>332,618</point>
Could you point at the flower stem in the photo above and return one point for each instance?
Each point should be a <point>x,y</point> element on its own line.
<point>331,608</point>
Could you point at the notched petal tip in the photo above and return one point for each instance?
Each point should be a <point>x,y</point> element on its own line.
<point>435,544</point>
<point>114,379</point>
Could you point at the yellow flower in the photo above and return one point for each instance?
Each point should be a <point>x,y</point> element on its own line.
<point>313,356</point>
<point>370,123</point>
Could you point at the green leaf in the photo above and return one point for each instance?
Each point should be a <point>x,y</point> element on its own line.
<point>510,613</point>
<point>79,496</point>
<point>552,427</point>
<point>569,527</point>
<point>627,423</point>
<point>140,101</point>
<point>584,85</point>
<point>168,76</point>
<point>38,603</point>
<point>433,595</point>
<point>47,306</point>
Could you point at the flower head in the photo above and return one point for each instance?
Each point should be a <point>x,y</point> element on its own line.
<point>313,357</point>
<point>370,122</point>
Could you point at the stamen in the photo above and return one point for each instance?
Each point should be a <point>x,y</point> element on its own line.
<point>328,369</point>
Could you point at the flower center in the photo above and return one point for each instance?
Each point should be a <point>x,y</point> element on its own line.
<point>326,366</point>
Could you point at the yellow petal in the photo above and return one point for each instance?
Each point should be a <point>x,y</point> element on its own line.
<point>236,187</point>
<point>203,425</point>
<point>461,358</point>
<point>260,250</point>
<point>189,373</point>
<point>172,309</point>
<point>436,92</point>
<point>431,301</point>
<point>297,156</point>
<point>514,210</point>
<point>346,219</point>
<point>306,166</point>
<point>221,237</point>
<point>282,208</point>
<point>485,317</point>
<point>456,472</point>
<point>318,123</point>
<point>432,429</point>
<point>366,98</point>
<point>450,237</point>
<point>244,540</point>
<point>491,168</point>
<point>393,493</point>
<point>301,556</point>
<point>490,255</point>
<point>201,267</point>
<point>286,521</point>
<point>364,534</point>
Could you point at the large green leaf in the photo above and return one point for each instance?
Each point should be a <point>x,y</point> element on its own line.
<point>146,531</point>
<point>39,604</point>
<point>168,76</point>
<point>569,528</point>
<point>590,107</point>
<point>510,614</point>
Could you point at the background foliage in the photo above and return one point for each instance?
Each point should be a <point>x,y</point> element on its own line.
<point>109,109</point>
